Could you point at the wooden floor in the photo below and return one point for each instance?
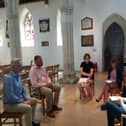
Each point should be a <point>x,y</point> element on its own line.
<point>78,112</point>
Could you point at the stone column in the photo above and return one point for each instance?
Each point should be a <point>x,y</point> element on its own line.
<point>69,75</point>
<point>13,27</point>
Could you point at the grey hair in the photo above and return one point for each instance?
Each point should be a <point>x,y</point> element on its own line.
<point>15,61</point>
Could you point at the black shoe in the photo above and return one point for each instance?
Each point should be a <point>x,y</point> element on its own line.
<point>35,124</point>
<point>51,114</point>
<point>103,107</point>
<point>56,108</point>
<point>97,100</point>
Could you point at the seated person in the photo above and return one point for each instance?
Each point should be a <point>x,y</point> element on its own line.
<point>114,111</point>
<point>15,98</point>
<point>39,79</point>
<point>115,76</point>
<point>86,71</point>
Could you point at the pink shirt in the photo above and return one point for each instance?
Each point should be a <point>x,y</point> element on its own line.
<point>39,76</point>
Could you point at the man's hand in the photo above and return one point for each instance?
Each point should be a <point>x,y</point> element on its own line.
<point>113,81</point>
<point>49,85</point>
<point>27,102</point>
<point>88,80</point>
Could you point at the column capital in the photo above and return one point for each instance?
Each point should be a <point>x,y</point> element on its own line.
<point>66,7</point>
<point>67,10</point>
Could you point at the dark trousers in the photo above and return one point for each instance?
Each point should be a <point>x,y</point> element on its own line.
<point>113,111</point>
<point>124,92</point>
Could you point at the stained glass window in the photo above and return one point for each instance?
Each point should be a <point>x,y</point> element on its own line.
<point>28,31</point>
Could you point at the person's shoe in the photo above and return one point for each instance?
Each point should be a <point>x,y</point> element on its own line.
<point>98,99</point>
<point>103,107</point>
<point>116,121</point>
<point>51,114</point>
<point>56,108</point>
<point>35,124</point>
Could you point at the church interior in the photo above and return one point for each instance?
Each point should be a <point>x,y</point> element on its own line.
<point>61,32</point>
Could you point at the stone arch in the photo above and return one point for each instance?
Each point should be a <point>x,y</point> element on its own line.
<point>115,18</point>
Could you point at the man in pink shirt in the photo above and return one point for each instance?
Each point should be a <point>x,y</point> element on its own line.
<point>39,78</point>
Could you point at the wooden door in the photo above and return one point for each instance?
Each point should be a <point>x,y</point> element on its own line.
<point>113,45</point>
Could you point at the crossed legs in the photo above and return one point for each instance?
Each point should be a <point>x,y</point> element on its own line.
<point>104,94</point>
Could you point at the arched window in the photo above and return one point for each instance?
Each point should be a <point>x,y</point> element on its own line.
<point>59,30</point>
<point>28,40</point>
<point>1,39</point>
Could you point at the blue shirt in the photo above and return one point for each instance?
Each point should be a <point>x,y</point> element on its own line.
<point>13,90</point>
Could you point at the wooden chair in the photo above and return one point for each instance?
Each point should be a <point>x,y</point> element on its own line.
<point>55,71</point>
<point>93,87</point>
<point>5,66</point>
<point>26,68</point>
<point>6,70</point>
<point>37,95</point>
<point>83,89</point>
<point>115,91</point>
<point>123,116</point>
<point>50,71</point>
<point>25,71</point>
<point>11,118</point>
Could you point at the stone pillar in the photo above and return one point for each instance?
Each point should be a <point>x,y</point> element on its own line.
<point>13,27</point>
<point>69,75</point>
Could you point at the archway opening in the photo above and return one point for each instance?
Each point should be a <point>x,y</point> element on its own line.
<point>113,45</point>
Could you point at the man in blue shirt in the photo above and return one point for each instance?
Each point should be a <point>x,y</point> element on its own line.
<point>15,97</point>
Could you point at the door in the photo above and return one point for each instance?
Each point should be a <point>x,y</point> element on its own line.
<point>113,45</point>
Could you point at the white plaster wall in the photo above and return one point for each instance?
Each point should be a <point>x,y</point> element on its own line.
<point>86,9</point>
<point>4,50</point>
<point>51,54</point>
<point>99,10</point>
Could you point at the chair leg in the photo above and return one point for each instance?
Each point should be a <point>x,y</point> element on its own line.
<point>93,89</point>
<point>43,104</point>
<point>81,90</point>
<point>80,95</point>
<point>20,121</point>
<point>123,116</point>
<point>57,77</point>
<point>121,124</point>
<point>14,121</point>
<point>0,121</point>
<point>54,79</point>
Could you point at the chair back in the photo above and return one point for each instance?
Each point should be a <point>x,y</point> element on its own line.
<point>49,69</point>
<point>34,91</point>
<point>56,68</point>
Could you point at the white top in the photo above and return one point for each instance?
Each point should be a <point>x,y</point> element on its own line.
<point>108,81</point>
<point>82,80</point>
<point>115,98</point>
